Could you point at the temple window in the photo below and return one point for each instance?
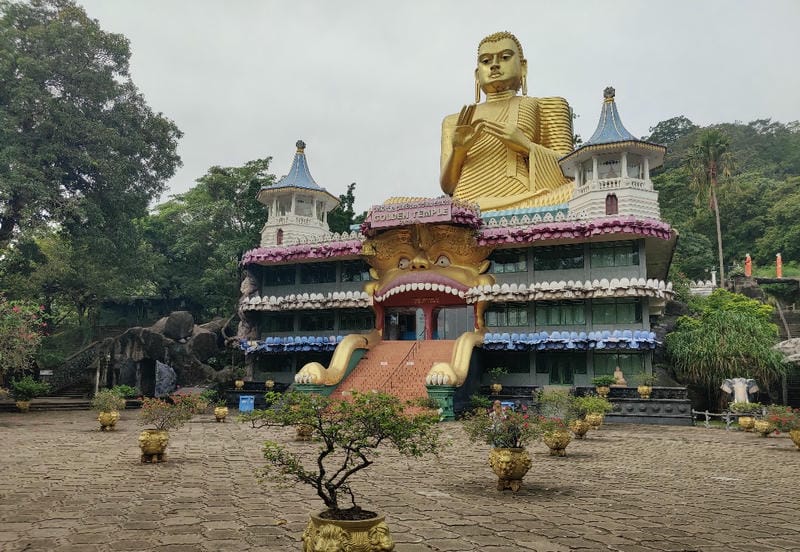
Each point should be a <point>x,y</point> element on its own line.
<point>561,367</point>
<point>355,272</point>
<point>565,257</point>
<point>317,273</point>
<point>588,170</point>
<point>279,275</point>
<point>356,320</point>
<point>320,210</point>
<point>284,205</point>
<point>609,168</point>
<point>304,206</point>
<point>279,237</point>
<point>514,362</point>
<point>609,254</point>
<point>562,313</point>
<point>616,311</point>
<point>321,321</point>
<point>508,260</point>
<point>511,314</point>
<point>631,364</point>
<point>277,323</point>
<point>612,204</point>
<point>634,166</point>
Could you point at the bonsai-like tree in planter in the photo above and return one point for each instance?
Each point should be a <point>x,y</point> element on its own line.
<point>349,433</point>
<point>162,416</point>
<point>495,375</point>
<point>602,384</point>
<point>108,403</point>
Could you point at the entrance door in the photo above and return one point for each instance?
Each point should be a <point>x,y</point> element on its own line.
<point>451,322</point>
<point>401,324</point>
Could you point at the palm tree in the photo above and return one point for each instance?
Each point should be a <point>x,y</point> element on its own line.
<point>711,162</point>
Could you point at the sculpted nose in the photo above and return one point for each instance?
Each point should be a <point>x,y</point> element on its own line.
<point>419,263</point>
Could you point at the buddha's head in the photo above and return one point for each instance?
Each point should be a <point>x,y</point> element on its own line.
<point>501,63</point>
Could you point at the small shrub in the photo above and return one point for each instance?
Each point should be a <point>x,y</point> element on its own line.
<point>125,391</point>
<point>27,388</point>
<point>164,415</point>
<point>107,400</point>
<point>603,381</point>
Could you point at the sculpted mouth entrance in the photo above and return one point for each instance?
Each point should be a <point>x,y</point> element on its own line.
<point>423,285</point>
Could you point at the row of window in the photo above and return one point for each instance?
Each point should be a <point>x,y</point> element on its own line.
<point>566,257</point>
<point>321,321</point>
<point>315,273</point>
<point>563,257</point>
<point>567,313</point>
<point>562,367</point>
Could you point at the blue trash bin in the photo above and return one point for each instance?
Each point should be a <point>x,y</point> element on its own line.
<point>246,403</point>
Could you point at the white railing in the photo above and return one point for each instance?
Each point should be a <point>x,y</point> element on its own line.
<point>607,184</point>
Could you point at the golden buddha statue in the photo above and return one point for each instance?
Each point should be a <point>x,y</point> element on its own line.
<point>503,153</point>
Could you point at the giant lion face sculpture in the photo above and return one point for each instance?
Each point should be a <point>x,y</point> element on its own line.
<point>427,263</point>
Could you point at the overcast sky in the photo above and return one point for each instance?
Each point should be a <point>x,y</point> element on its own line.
<point>366,83</point>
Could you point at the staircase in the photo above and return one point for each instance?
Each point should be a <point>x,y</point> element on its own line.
<point>396,367</point>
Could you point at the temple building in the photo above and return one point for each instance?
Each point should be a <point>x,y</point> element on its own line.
<point>429,294</point>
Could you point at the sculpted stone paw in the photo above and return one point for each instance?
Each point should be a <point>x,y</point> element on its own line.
<point>310,373</point>
<point>441,374</point>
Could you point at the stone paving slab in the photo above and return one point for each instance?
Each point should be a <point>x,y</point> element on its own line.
<point>66,486</point>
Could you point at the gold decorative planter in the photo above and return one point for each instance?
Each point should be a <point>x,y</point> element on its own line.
<point>23,406</point>
<point>510,465</point>
<point>238,384</point>
<point>153,443</point>
<point>108,420</point>
<point>368,535</point>
<point>557,441</point>
<point>794,435</point>
<point>763,427</point>
<point>269,385</point>
<point>304,432</point>
<point>603,390</point>
<point>746,422</point>
<point>496,388</point>
<point>644,391</point>
<point>220,413</point>
<point>580,428</point>
<point>595,420</point>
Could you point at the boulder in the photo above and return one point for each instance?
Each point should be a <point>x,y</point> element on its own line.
<point>179,325</point>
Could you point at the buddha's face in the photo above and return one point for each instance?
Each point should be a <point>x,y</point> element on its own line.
<point>500,67</point>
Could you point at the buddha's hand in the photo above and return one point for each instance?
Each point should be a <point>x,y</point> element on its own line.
<point>465,135</point>
<point>509,134</point>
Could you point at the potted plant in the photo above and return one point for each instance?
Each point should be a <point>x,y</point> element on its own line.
<point>350,433</point>
<point>107,403</point>
<point>746,412</point>
<point>238,373</point>
<point>783,418</point>
<point>162,416</point>
<point>602,384</point>
<point>646,382</point>
<point>25,389</point>
<point>592,408</point>
<point>495,374</point>
<point>508,432</point>
<point>555,434</point>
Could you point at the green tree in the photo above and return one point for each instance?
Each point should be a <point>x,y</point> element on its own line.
<point>670,131</point>
<point>340,218</point>
<point>78,144</point>
<point>728,336</point>
<point>712,162</point>
<point>199,236</point>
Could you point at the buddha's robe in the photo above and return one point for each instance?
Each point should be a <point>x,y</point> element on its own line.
<point>497,177</point>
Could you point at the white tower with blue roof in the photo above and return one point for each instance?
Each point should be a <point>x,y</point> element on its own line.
<point>612,170</point>
<point>297,207</point>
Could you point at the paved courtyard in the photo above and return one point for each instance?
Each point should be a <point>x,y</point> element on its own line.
<point>66,486</point>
